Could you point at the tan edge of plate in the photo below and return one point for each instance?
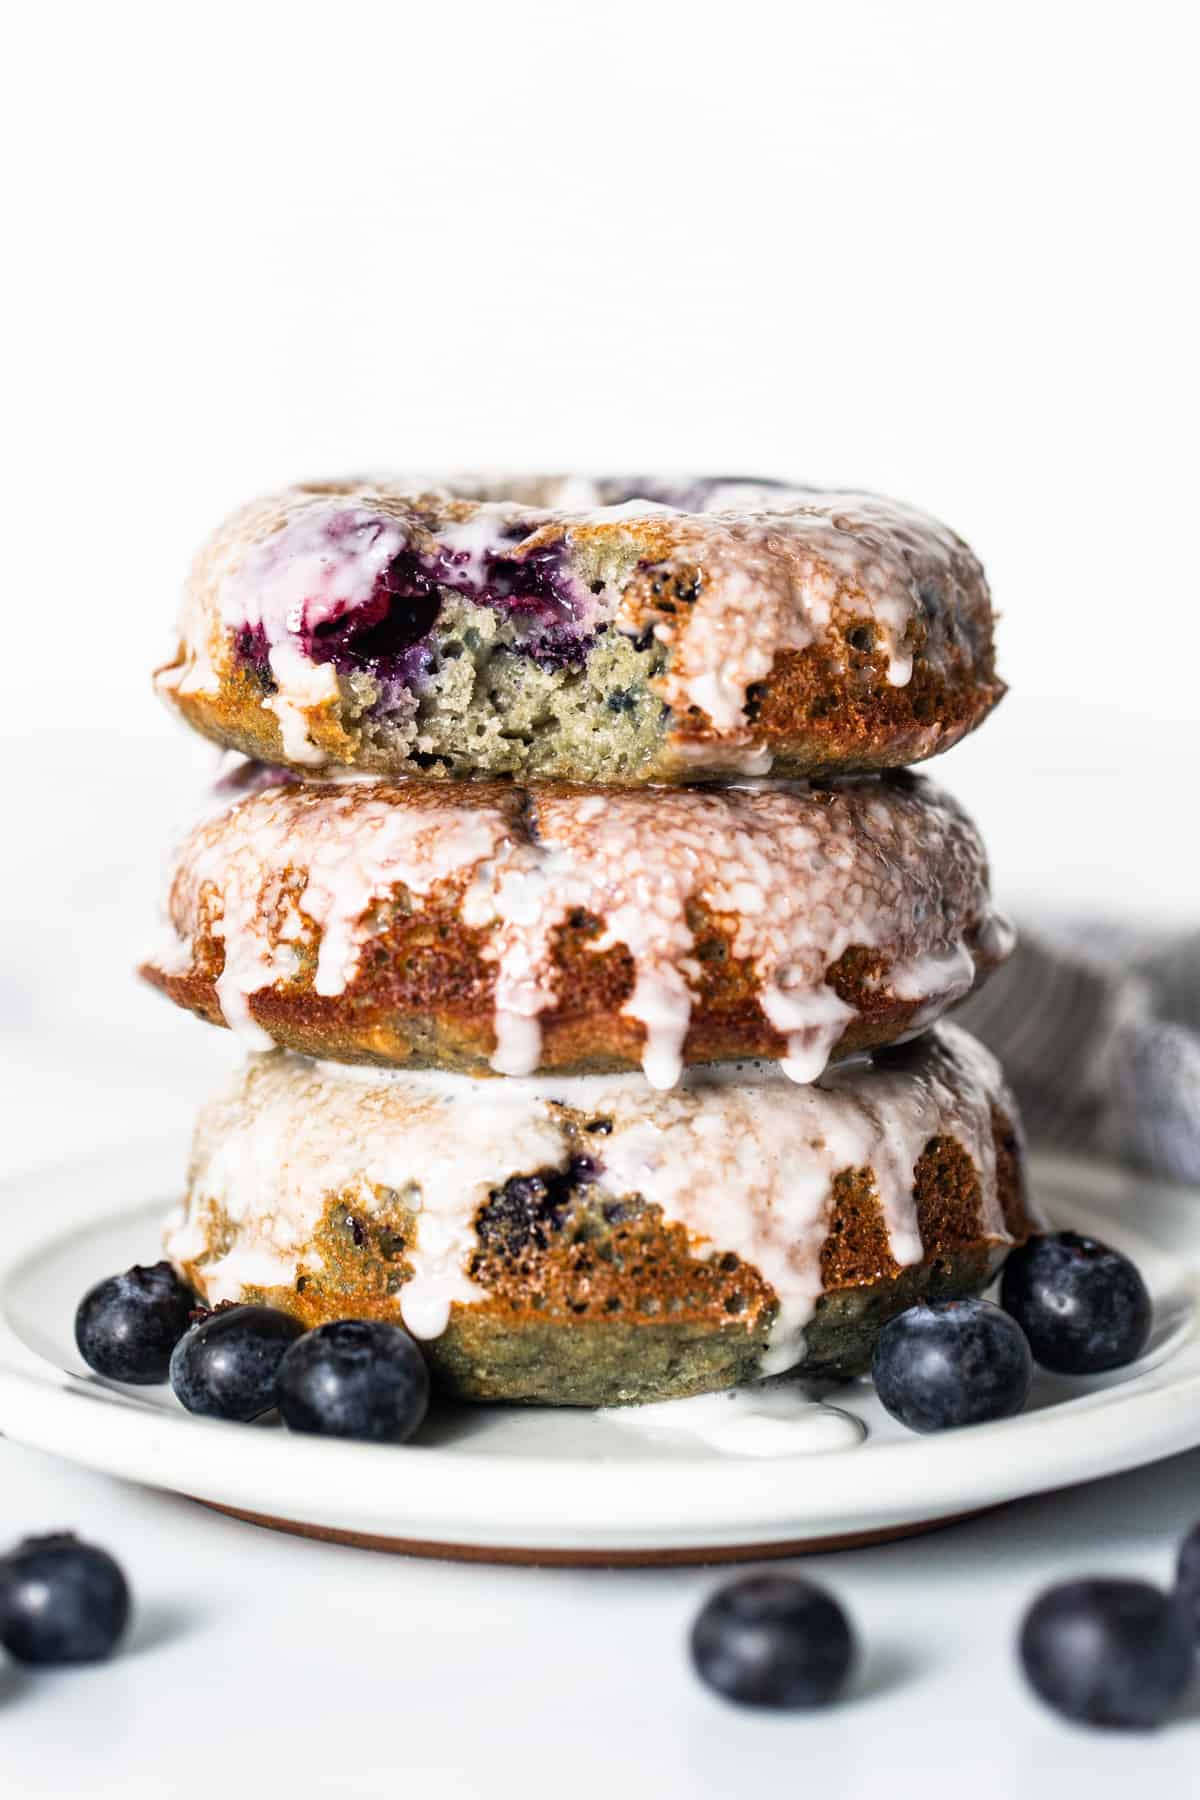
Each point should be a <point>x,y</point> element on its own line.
<point>594,1559</point>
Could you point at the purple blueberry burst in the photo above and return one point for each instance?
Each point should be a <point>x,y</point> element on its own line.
<point>253,650</point>
<point>387,632</point>
<point>243,779</point>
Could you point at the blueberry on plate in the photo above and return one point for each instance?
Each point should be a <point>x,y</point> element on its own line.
<point>1187,1578</point>
<point>61,1601</point>
<point>354,1378</point>
<point>1108,1652</point>
<point>946,1363</point>
<point>773,1641</point>
<point>126,1327</point>
<point>1082,1305</point>
<point>226,1365</point>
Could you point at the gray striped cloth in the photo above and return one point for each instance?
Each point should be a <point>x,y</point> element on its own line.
<point>1098,1028</point>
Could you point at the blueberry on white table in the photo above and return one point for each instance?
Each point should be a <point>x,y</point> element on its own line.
<point>354,1378</point>
<point>1083,1305</point>
<point>126,1327</point>
<point>61,1601</point>
<point>946,1363</point>
<point>225,1367</point>
<point>774,1641</point>
<point>1106,1652</point>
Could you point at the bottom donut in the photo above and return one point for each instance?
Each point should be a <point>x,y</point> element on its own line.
<point>587,1240</point>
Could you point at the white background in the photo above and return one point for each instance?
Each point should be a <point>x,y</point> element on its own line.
<point>942,250</point>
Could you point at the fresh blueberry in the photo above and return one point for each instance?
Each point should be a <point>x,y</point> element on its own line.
<point>1082,1305</point>
<point>773,1641</point>
<point>126,1327</point>
<point>226,1366</point>
<point>61,1601</point>
<point>354,1378</point>
<point>1187,1577</point>
<point>1108,1652</point>
<point>947,1363</point>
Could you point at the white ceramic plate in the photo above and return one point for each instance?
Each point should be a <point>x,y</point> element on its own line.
<point>542,1484</point>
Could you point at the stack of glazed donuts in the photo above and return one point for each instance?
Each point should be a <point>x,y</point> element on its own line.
<point>586,930</point>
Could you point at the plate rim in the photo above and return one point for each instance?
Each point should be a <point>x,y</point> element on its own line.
<point>573,1502</point>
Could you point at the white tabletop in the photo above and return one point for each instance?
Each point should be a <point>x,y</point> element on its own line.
<point>269,1663</point>
<point>262,1659</point>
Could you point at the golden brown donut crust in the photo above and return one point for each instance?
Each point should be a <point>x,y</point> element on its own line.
<point>846,915</point>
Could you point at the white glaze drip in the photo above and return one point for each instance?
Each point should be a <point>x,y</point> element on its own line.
<point>803,876</point>
<point>812,1019</point>
<point>298,746</point>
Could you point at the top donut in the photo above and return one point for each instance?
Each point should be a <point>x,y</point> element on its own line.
<point>623,631</point>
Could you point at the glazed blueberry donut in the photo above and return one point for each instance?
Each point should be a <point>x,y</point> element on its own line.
<point>620,631</point>
<point>587,1241</point>
<point>489,926</point>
